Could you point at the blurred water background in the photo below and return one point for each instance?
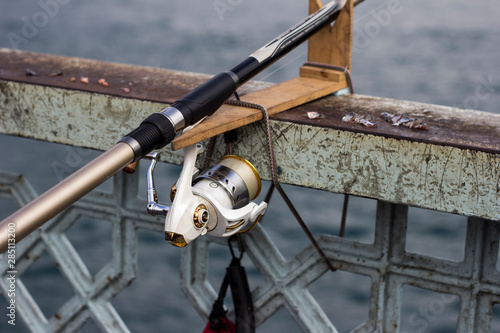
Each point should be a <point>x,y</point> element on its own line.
<point>440,52</point>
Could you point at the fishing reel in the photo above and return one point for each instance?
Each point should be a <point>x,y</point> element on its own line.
<point>215,201</point>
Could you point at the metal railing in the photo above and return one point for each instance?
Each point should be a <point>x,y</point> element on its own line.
<point>398,173</point>
<point>475,280</point>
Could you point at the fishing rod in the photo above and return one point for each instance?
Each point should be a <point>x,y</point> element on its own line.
<point>160,128</point>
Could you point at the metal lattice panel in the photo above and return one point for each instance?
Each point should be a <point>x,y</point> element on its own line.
<point>93,293</point>
<point>390,267</point>
<point>286,283</point>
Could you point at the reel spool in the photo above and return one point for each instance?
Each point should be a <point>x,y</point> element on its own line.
<point>217,201</point>
<point>234,175</point>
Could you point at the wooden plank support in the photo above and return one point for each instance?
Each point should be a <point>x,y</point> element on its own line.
<point>333,44</point>
<point>277,98</point>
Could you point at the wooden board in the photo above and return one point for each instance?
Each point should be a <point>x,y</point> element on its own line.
<point>277,98</point>
<point>333,44</point>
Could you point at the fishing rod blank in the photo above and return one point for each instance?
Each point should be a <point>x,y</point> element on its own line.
<point>160,128</point>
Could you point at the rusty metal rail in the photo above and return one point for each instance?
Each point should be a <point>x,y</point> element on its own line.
<point>466,129</point>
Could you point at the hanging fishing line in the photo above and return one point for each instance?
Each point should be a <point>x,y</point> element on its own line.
<point>347,72</point>
<point>274,175</point>
<point>274,169</point>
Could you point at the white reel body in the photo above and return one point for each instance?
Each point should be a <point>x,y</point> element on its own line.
<point>216,202</point>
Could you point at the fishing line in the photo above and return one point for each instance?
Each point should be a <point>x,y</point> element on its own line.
<point>275,181</point>
<point>345,206</point>
<point>243,90</point>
